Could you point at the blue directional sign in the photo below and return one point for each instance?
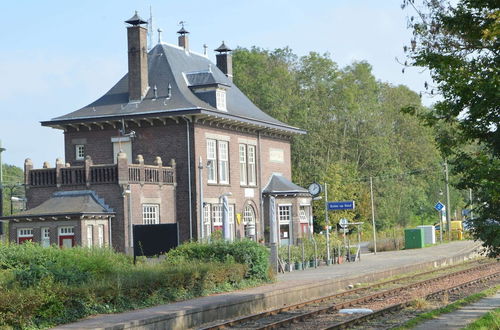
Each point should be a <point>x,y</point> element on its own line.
<point>439,206</point>
<point>345,205</point>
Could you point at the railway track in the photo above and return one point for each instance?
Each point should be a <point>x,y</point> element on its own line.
<point>313,309</point>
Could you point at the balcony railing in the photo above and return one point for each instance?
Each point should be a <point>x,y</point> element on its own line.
<point>90,174</point>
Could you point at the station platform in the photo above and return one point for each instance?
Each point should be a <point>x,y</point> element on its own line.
<point>290,288</point>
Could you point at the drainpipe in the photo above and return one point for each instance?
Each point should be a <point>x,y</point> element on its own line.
<point>189,180</point>
<point>261,200</point>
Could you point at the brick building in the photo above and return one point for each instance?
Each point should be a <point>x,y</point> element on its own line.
<point>227,158</point>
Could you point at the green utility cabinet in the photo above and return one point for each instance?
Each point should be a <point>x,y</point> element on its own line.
<point>414,238</point>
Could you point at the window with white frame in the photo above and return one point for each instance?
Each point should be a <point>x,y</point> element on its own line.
<point>252,181</point>
<point>207,228</point>
<point>150,214</point>
<point>67,230</point>
<point>45,236</point>
<point>90,235</point>
<point>303,214</point>
<point>248,215</point>
<point>212,161</point>
<point>247,165</point>
<point>216,217</point>
<point>80,152</point>
<point>218,161</point>
<point>243,164</point>
<point>24,234</point>
<point>100,235</point>
<point>220,99</point>
<point>223,147</point>
<point>284,217</point>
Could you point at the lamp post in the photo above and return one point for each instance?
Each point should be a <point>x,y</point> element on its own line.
<point>448,206</point>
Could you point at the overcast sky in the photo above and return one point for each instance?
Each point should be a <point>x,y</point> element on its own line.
<point>58,56</point>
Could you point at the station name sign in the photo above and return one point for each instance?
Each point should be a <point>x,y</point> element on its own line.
<point>345,205</point>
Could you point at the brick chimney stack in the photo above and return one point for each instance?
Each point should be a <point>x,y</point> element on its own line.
<point>225,60</point>
<point>183,37</point>
<point>137,58</point>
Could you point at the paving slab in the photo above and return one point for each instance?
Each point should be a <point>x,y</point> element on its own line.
<point>461,317</point>
<point>290,288</point>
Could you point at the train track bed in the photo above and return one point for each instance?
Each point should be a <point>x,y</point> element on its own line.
<point>323,313</point>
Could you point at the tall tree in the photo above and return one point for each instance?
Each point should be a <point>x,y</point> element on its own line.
<point>459,43</point>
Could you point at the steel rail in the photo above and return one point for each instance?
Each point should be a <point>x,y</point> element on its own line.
<point>361,300</point>
<point>260,315</point>
<point>396,307</point>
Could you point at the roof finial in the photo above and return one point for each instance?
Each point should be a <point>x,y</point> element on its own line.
<point>182,31</point>
<point>205,49</point>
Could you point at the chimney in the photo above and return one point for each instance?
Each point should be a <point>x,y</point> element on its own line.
<point>183,37</point>
<point>225,60</point>
<point>137,58</point>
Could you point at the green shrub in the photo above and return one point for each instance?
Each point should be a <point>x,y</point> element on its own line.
<point>42,287</point>
<point>246,252</point>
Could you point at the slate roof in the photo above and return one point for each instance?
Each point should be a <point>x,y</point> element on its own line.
<point>68,203</point>
<point>169,64</point>
<point>279,185</point>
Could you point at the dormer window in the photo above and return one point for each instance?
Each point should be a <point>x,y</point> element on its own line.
<point>220,96</point>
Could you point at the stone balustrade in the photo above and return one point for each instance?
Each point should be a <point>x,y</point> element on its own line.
<point>90,174</point>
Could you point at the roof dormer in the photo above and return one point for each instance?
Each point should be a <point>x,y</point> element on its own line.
<point>207,88</point>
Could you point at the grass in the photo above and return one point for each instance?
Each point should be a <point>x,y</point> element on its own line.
<point>489,321</point>
<point>449,308</point>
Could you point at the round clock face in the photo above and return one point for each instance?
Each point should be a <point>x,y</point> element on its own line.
<point>314,188</point>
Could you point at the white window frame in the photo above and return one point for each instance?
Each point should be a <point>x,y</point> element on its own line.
<point>284,217</point>
<point>45,236</point>
<point>90,235</point>
<point>212,161</point>
<point>207,216</point>
<point>248,215</point>
<point>251,156</point>
<point>66,231</point>
<point>223,153</point>
<point>23,233</point>
<point>220,99</point>
<point>243,164</point>
<point>150,214</point>
<point>100,236</point>
<point>79,151</point>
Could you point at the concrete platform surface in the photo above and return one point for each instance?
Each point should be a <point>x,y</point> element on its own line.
<point>290,288</point>
<point>461,317</point>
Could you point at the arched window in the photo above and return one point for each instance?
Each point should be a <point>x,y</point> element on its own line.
<point>249,221</point>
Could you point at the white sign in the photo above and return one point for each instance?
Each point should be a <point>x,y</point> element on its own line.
<point>343,223</point>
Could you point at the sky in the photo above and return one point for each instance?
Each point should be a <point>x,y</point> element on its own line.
<point>58,56</point>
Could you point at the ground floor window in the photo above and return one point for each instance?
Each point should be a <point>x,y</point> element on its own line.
<point>67,236</point>
<point>90,235</point>
<point>213,213</point>
<point>150,214</point>
<point>24,234</point>
<point>249,221</point>
<point>100,235</point>
<point>45,237</point>
<point>284,220</point>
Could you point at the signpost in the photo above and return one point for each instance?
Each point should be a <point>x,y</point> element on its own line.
<point>343,223</point>
<point>345,205</point>
<point>440,208</point>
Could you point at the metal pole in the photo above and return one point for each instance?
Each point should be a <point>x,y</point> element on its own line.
<point>440,217</point>
<point>1,179</point>
<point>327,223</point>
<point>202,208</point>
<point>470,199</point>
<point>448,205</point>
<point>373,218</point>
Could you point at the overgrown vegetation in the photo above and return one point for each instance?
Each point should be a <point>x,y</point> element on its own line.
<point>490,320</point>
<point>42,287</point>
<point>356,130</point>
